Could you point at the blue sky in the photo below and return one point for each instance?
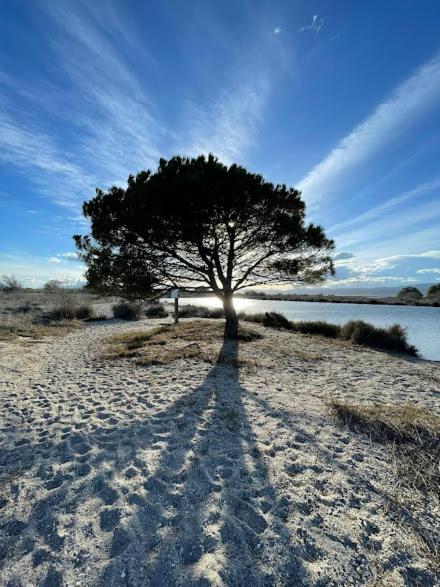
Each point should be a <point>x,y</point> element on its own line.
<point>338,98</point>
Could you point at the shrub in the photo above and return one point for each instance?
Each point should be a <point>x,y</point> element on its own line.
<point>53,285</point>
<point>97,318</point>
<point>409,294</point>
<point>9,284</point>
<point>318,327</point>
<point>127,311</point>
<point>390,339</point>
<point>192,311</point>
<point>275,320</point>
<point>268,319</point>
<point>257,318</point>
<point>357,331</point>
<point>71,311</point>
<point>155,310</point>
<point>433,292</point>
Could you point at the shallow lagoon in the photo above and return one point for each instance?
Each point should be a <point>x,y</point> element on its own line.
<point>421,323</point>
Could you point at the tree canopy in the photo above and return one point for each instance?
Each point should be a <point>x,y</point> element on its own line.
<point>434,292</point>
<point>198,222</point>
<point>410,293</point>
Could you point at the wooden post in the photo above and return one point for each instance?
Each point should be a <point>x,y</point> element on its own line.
<point>174,293</point>
<point>176,310</point>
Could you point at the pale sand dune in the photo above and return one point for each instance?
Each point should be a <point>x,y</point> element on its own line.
<point>194,474</point>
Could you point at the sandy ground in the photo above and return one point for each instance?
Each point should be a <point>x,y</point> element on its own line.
<point>193,474</point>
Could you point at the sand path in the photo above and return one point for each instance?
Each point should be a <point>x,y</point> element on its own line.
<point>194,474</point>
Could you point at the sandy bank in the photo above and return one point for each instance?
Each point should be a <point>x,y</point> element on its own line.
<point>201,474</point>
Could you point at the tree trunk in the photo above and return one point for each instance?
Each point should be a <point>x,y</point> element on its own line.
<point>231,324</point>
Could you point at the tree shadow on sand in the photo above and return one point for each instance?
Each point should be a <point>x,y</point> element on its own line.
<point>210,515</point>
<point>205,514</point>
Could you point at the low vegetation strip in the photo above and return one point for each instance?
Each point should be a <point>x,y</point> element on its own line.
<point>392,338</point>
<point>160,346</point>
<point>39,314</point>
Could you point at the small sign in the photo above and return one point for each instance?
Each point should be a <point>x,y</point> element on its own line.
<point>174,293</point>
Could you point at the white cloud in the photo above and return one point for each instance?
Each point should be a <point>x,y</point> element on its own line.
<point>426,271</point>
<point>72,256</point>
<point>392,204</point>
<point>34,271</point>
<point>228,127</point>
<point>315,26</point>
<point>54,260</point>
<point>390,119</point>
<point>32,150</point>
<point>342,256</point>
<point>277,30</point>
<point>386,227</point>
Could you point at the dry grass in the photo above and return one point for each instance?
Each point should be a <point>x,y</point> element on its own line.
<point>36,314</point>
<point>15,327</point>
<point>398,423</point>
<point>198,340</point>
<point>413,436</point>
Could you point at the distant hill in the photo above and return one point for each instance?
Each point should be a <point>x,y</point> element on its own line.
<point>374,292</point>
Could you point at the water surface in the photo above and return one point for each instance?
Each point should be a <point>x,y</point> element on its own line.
<point>422,323</point>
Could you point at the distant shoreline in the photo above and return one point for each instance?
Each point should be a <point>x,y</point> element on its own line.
<point>387,301</point>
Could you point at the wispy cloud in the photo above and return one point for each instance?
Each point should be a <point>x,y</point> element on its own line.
<point>108,127</point>
<point>228,127</point>
<point>392,204</point>
<point>392,267</point>
<point>390,119</point>
<point>427,271</point>
<point>342,256</point>
<point>34,271</point>
<point>33,150</point>
<point>70,256</point>
<point>315,26</point>
<point>386,227</point>
<point>120,131</point>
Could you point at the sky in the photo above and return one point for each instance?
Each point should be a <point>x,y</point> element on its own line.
<point>340,99</point>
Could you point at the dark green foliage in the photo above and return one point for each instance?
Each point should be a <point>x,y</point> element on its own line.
<point>71,311</point>
<point>9,284</point>
<point>390,339</point>
<point>53,285</point>
<point>191,311</point>
<point>276,320</point>
<point>127,310</point>
<point>356,331</point>
<point>155,310</point>
<point>97,318</point>
<point>410,294</point>
<point>434,292</point>
<point>317,327</point>
<point>197,222</point>
<point>257,318</point>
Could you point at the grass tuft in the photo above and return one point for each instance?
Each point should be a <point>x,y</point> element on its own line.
<point>389,339</point>
<point>191,311</point>
<point>155,310</point>
<point>318,327</point>
<point>71,311</point>
<point>127,311</point>
<point>415,432</point>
